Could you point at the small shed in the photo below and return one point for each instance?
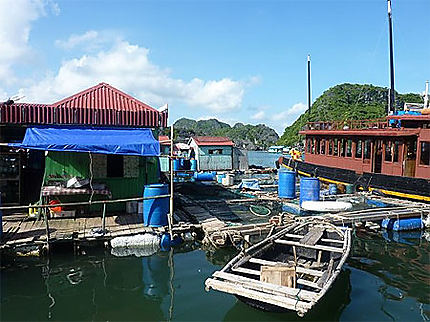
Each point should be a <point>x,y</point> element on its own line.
<point>212,153</point>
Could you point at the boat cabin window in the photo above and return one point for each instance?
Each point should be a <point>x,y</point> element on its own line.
<point>336,147</point>
<point>367,149</point>
<point>358,149</point>
<point>342,147</point>
<point>330,147</point>
<point>317,146</point>
<point>323,146</point>
<point>349,148</point>
<point>396,151</point>
<point>388,151</point>
<point>425,153</point>
<point>308,145</point>
<point>412,150</point>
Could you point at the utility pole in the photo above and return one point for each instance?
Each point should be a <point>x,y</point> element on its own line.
<point>309,84</point>
<point>391,105</point>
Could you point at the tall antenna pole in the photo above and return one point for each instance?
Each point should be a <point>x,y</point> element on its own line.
<point>391,106</point>
<point>309,84</point>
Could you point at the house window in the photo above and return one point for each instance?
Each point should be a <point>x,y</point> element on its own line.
<point>349,148</point>
<point>358,149</point>
<point>323,146</point>
<point>388,151</point>
<point>215,151</point>
<point>114,166</point>
<point>425,153</point>
<point>367,149</point>
<point>396,151</point>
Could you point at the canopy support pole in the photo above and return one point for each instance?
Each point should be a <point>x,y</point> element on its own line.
<point>170,218</point>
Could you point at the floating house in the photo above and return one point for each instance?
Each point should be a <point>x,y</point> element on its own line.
<point>275,149</point>
<point>212,153</point>
<point>90,127</point>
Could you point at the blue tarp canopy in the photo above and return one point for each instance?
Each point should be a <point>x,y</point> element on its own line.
<point>125,141</point>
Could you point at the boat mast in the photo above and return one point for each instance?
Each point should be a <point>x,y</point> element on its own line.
<point>391,105</point>
<point>309,83</point>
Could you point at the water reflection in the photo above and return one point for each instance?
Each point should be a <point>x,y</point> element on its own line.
<point>386,277</point>
<point>328,309</point>
<point>400,259</point>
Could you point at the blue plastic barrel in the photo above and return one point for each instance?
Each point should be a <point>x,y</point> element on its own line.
<point>155,210</point>
<point>332,189</point>
<point>220,177</point>
<point>309,189</point>
<point>176,164</point>
<point>349,189</point>
<point>402,224</point>
<point>204,176</point>
<point>287,184</point>
<point>193,165</point>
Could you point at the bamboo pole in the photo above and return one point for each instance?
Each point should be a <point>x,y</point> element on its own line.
<point>170,216</point>
<point>84,203</point>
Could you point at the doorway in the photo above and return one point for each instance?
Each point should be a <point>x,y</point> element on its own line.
<point>377,156</point>
<point>409,158</point>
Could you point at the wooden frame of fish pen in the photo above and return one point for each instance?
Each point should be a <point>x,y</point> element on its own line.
<point>242,282</point>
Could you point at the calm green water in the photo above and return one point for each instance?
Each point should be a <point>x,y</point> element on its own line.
<point>385,279</point>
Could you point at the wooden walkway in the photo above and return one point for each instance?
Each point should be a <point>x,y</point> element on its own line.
<point>19,230</point>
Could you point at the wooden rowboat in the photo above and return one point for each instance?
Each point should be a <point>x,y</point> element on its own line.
<point>291,270</point>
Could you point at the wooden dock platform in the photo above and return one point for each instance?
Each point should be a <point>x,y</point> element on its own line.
<point>21,231</point>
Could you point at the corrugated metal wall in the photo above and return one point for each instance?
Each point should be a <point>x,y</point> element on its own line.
<point>208,161</point>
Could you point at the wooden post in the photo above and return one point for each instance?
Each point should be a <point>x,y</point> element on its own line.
<point>170,218</point>
<point>47,227</point>
<point>104,219</point>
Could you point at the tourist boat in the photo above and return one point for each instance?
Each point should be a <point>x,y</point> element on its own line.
<point>291,270</point>
<point>390,154</point>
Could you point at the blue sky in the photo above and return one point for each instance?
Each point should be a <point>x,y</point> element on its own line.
<point>239,61</point>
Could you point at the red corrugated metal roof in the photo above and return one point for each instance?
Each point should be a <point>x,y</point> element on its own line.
<point>103,96</point>
<point>212,140</point>
<point>99,105</point>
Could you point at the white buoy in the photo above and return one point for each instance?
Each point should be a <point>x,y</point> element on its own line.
<point>326,206</point>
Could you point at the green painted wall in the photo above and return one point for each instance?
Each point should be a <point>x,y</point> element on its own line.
<point>61,166</point>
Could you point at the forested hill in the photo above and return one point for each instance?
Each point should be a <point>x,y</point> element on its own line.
<point>347,102</point>
<point>251,137</point>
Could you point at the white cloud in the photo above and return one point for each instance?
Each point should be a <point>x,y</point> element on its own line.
<point>261,115</point>
<point>75,40</point>
<point>290,114</point>
<point>16,17</point>
<point>128,67</point>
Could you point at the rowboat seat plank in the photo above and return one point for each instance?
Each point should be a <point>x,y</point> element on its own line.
<point>312,237</point>
<point>298,268</point>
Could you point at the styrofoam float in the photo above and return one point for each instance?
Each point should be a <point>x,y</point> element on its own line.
<point>326,206</point>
